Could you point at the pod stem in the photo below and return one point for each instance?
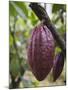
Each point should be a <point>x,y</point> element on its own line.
<point>43,16</point>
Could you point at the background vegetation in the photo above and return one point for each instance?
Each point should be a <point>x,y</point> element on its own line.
<point>21,22</point>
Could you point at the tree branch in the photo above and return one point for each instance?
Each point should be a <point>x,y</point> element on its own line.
<point>42,15</point>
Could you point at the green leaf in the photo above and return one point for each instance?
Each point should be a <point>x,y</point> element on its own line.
<point>10,40</point>
<point>15,67</point>
<point>34,19</point>
<point>12,10</point>
<point>57,50</point>
<point>57,7</point>
<point>35,83</point>
<point>26,34</point>
<point>23,7</point>
<point>18,10</point>
<point>62,30</point>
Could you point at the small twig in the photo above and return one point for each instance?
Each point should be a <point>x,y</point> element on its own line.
<point>42,15</point>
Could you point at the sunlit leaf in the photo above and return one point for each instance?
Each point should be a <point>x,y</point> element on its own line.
<point>57,49</point>
<point>34,19</point>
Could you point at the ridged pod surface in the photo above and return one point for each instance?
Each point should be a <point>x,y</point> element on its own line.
<point>41,52</point>
<point>58,65</point>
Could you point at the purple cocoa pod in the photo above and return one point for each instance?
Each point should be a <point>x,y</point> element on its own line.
<point>58,65</point>
<point>41,52</point>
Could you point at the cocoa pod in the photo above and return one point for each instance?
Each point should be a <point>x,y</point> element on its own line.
<point>41,52</point>
<point>58,65</point>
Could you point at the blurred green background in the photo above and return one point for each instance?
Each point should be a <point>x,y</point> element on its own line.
<point>21,22</point>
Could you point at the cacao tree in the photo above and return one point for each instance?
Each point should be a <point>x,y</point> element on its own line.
<point>35,43</point>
